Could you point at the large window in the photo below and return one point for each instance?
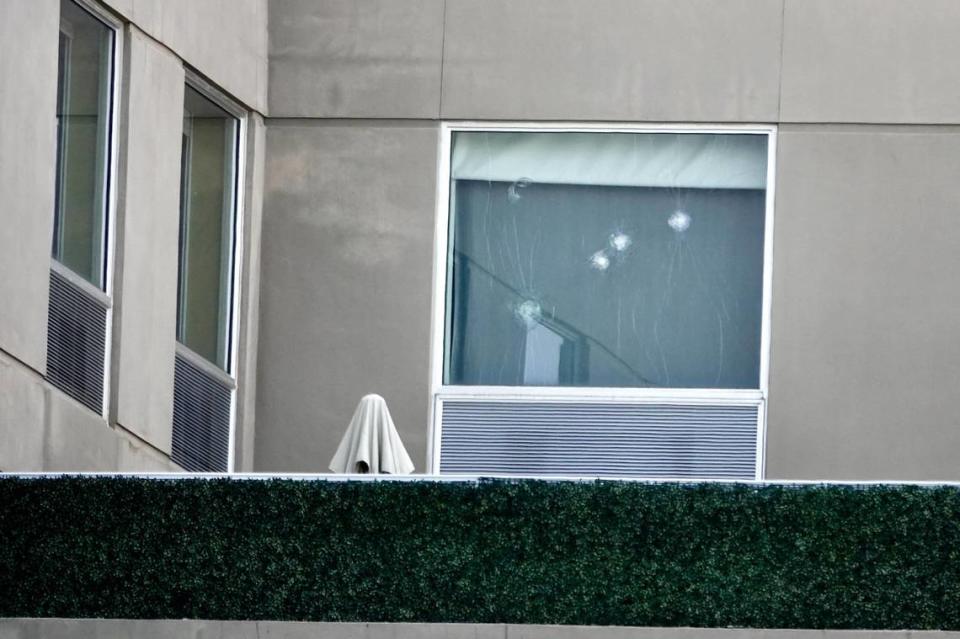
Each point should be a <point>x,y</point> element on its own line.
<point>593,260</point>
<point>207,220</point>
<point>606,259</point>
<point>84,111</point>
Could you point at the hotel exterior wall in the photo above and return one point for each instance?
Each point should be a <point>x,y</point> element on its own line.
<point>226,41</point>
<point>28,144</point>
<point>866,316</point>
<point>345,290</point>
<point>349,58</point>
<point>883,61</point>
<point>43,429</point>
<point>865,327</point>
<point>568,60</point>
<point>878,61</point>
<point>146,281</point>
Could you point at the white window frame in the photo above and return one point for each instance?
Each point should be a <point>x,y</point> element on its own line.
<point>110,178</point>
<point>440,391</point>
<point>229,376</point>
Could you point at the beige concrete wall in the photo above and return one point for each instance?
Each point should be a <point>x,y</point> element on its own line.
<point>877,61</point>
<point>709,60</point>
<point>880,61</point>
<point>148,230</point>
<point>164,629</point>
<point>345,289</point>
<point>342,58</point>
<point>703,60</point>
<point>225,40</point>
<point>43,429</point>
<point>865,326</point>
<point>866,317</point>
<point>28,127</point>
<point>22,416</point>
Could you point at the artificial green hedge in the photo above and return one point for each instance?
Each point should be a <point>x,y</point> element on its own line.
<point>521,552</point>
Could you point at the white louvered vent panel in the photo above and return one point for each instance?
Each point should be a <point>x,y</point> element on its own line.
<point>201,419</point>
<point>76,338</point>
<point>599,439</point>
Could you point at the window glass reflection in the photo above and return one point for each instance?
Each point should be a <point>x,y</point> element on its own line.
<point>83,142</point>
<point>207,204</point>
<point>606,259</point>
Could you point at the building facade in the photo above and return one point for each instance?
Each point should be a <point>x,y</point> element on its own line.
<point>397,190</point>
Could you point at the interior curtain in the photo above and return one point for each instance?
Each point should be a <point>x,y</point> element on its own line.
<point>685,160</point>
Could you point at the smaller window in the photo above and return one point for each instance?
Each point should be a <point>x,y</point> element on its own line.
<point>207,220</point>
<point>79,309</point>
<point>84,86</point>
<point>204,384</point>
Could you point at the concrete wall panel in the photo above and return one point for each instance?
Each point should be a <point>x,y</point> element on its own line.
<point>28,127</point>
<point>145,333</point>
<point>21,417</point>
<point>693,60</point>
<point>148,15</point>
<point>135,456</point>
<point>345,289</point>
<point>41,429</point>
<point>123,7</point>
<point>866,316</point>
<point>77,438</point>
<point>871,61</point>
<point>225,40</point>
<point>355,58</point>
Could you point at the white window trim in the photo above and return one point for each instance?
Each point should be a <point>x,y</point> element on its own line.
<point>111,175</point>
<point>439,390</point>
<point>200,84</point>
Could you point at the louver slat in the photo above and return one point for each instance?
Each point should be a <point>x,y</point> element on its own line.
<point>201,419</point>
<point>76,338</point>
<point>599,439</point>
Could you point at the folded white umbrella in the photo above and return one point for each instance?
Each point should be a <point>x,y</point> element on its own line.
<point>371,443</point>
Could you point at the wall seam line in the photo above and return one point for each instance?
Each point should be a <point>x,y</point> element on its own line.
<point>187,65</point>
<point>298,120</point>
<point>16,360</point>
<point>443,48</point>
<point>122,431</point>
<point>783,37</point>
